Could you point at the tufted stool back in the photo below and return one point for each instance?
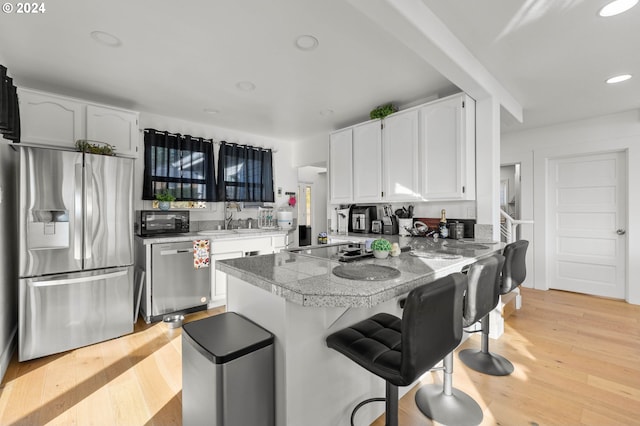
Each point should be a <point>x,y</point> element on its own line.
<point>515,269</point>
<point>483,288</point>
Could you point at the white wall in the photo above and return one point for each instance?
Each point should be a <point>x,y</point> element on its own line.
<point>312,151</point>
<point>285,175</point>
<point>531,148</point>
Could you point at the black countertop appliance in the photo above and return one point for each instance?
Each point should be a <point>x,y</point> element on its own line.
<point>361,217</point>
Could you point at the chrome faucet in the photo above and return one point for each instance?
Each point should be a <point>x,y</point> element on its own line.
<point>227,206</point>
<point>227,221</point>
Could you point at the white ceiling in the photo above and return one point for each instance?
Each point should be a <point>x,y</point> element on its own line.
<point>180,58</point>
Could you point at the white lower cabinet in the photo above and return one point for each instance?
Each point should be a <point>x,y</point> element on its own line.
<point>279,242</point>
<point>219,279</point>
<point>233,249</point>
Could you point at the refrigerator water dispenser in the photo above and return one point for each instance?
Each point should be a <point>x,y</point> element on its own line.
<point>48,229</point>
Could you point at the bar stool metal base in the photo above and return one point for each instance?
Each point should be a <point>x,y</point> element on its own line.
<point>444,404</point>
<point>456,409</point>
<point>486,362</point>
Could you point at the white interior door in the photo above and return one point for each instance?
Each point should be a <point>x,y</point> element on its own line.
<point>586,222</point>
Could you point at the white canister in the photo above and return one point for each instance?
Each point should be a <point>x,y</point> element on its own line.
<point>403,224</point>
<point>285,219</point>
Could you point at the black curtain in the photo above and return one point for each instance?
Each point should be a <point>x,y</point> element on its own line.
<point>180,164</point>
<point>9,110</point>
<point>245,173</point>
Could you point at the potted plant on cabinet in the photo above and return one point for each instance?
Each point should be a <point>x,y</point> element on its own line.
<point>164,199</point>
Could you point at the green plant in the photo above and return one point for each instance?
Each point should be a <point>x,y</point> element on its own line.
<point>382,111</point>
<point>165,196</point>
<point>101,148</point>
<point>381,245</point>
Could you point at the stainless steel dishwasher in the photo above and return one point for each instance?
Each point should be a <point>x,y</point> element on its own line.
<point>175,284</point>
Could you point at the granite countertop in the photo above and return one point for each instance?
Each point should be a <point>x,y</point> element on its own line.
<point>218,235</point>
<point>309,281</point>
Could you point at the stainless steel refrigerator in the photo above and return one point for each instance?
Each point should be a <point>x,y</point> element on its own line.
<point>76,250</point>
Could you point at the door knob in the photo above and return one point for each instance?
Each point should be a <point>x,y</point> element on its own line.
<point>621,231</point>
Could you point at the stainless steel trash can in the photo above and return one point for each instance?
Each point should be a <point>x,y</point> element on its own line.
<point>227,372</point>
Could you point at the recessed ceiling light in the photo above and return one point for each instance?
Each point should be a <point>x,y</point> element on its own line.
<point>617,7</point>
<point>106,39</point>
<point>246,86</point>
<point>212,111</point>
<point>618,78</point>
<point>307,42</point>
<point>326,112</point>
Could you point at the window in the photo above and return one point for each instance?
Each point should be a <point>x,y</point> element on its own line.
<point>181,165</point>
<point>245,173</point>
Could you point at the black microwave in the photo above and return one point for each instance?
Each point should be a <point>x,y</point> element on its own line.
<point>157,222</point>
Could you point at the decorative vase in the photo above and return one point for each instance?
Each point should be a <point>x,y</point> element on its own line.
<point>380,254</point>
<point>164,205</point>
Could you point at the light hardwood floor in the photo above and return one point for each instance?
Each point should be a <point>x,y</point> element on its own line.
<point>577,361</point>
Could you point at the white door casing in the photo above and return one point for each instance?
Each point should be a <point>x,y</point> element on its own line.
<point>586,224</point>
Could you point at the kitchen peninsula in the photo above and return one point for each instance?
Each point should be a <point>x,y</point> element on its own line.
<point>297,297</point>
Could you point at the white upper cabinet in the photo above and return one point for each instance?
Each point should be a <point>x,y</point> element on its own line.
<point>420,154</point>
<point>341,167</point>
<point>58,121</point>
<point>400,154</point>
<point>367,162</point>
<point>447,149</point>
<point>50,120</point>
<point>117,127</point>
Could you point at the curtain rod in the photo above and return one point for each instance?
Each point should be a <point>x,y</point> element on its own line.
<point>158,132</point>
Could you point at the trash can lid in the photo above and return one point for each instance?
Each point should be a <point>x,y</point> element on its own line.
<point>227,336</point>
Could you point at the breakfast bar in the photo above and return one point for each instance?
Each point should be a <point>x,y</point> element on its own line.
<point>299,298</point>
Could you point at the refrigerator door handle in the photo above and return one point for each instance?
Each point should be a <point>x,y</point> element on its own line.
<point>88,210</point>
<point>77,211</point>
<point>91,278</point>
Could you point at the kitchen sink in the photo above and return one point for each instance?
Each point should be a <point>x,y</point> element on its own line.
<point>230,231</point>
<point>216,232</point>
<point>247,230</point>
<point>365,272</point>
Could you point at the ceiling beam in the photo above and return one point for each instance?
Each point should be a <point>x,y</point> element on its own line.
<point>417,27</point>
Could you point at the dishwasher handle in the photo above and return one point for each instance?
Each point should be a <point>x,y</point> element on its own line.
<point>175,251</point>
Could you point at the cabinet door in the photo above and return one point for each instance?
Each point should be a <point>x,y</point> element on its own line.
<point>400,157</point>
<point>50,120</point>
<point>116,127</point>
<point>341,167</point>
<point>367,162</point>
<point>219,284</point>
<point>279,242</point>
<point>447,142</point>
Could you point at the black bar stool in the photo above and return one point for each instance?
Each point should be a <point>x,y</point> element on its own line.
<point>444,403</point>
<point>400,350</point>
<point>514,272</point>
